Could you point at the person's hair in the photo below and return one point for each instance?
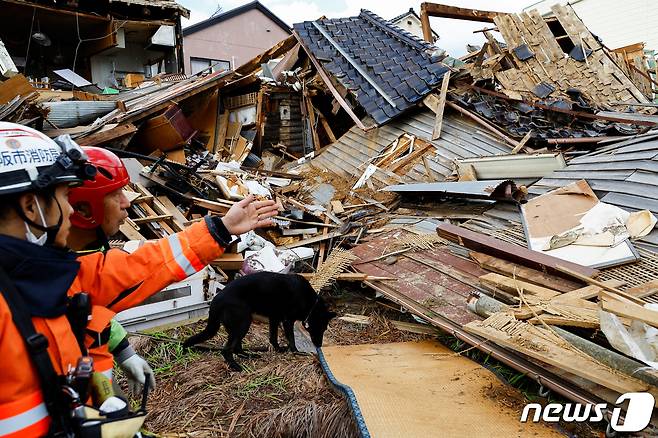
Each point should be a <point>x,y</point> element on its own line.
<point>8,202</point>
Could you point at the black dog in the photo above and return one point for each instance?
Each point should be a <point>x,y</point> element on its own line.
<point>280,297</point>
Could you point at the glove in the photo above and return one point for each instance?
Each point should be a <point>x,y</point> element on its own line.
<point>136,369</point>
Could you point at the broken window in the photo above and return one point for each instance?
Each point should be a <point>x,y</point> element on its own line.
<point>560,35</point>
<point>200,64</point>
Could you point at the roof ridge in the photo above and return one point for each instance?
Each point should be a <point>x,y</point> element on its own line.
<point>410,11</point>
<point>395,31</point>
<point>255,4</point>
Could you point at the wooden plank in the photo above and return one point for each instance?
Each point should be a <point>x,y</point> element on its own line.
<point>327,128</point>
<point>157,218</point>
<point>446,11</point>
<point>223,130</point>
<point>425,24</point>
<point>420,148</point>
<point>549,348</point>
<point>274,52</point>
<point>644,290</point>
<point>412,327</point>
<point>401,147</point>
<point>438,119</point>
<point>171,208</point>
<point>600,284</point>
<point>228,262</point>
<point>584,293</point>
<point>312,240</point>
<point>509,251</point>
<point>312,117</point>
<point>337,207</point>
<point>130,230</point>
<point>512,286</point>
<point>105,136</point>
<point>523,273</point>
<point>17,85</point>
<point>522,143</point>
<point>219,206</point>
<point>323,245</point>
<point>627,308</point>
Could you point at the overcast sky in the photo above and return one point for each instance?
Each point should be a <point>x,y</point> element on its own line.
<point>454,34</point>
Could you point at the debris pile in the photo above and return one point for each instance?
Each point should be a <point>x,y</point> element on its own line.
<point>506,197</point>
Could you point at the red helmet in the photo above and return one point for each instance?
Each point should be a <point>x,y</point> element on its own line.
<point>111,175</point>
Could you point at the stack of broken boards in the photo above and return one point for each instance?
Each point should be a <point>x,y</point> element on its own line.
<point>597,76</point>
<point>542,292</point>
<point>153,217</point>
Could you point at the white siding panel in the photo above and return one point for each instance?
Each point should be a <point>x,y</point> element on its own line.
<point>617,23</point>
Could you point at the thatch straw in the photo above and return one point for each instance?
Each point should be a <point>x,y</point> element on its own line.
<point>279,395</point>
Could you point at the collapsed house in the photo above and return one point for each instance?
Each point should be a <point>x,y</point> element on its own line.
<point>505,197</point>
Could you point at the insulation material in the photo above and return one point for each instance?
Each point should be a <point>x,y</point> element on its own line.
<point>423,389</point>
<point>569,223</point>
<point>640,340</point>
<point>266,259</point>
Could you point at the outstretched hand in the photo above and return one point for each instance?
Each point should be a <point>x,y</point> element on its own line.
<point>249,214</point>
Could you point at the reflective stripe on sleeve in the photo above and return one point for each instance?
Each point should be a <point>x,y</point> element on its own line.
<point>179,256</point>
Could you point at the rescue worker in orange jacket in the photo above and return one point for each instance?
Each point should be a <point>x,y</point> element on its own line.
<point>38,275</point>
<point>99,209</point>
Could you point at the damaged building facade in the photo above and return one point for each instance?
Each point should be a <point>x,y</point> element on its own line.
<point>107,43</point>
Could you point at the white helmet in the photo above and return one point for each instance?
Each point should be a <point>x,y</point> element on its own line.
<point>29,160</point>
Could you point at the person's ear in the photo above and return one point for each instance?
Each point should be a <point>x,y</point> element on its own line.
<point>83,208</point>
<point>28,205</point>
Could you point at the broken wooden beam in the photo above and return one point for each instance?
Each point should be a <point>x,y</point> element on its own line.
<point>454,12</point>
<point>602,285</point>
<point>518,287</point>
<point>523,273</point>
<point>626,308</point>
<point>438,120</point>
<point>482,122</point>
<point>508,251</point>
<point>107,135</point>
<point>332,88</point>
<point>312,240</point>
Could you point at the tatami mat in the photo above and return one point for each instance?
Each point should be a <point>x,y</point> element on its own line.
<point>421,389</point>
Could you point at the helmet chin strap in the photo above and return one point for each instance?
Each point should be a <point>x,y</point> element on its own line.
<point>49,233</point>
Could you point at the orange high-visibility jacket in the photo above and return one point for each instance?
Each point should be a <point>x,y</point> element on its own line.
<point>115,280</point>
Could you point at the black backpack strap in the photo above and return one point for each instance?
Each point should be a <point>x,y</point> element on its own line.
<point>37,346</point>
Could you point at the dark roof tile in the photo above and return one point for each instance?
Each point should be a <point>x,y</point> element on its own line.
<point>398,62</point>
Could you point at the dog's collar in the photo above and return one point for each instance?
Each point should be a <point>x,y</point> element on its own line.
<point>305,322</point>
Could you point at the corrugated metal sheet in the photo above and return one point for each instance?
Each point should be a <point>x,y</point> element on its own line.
<point>624,174</point>
<point>66,114</point>
<point>460,138</point>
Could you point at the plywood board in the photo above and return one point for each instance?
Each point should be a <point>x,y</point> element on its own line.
<point>559,210</point>
<point>17,85</point>
<point>421,389</point>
